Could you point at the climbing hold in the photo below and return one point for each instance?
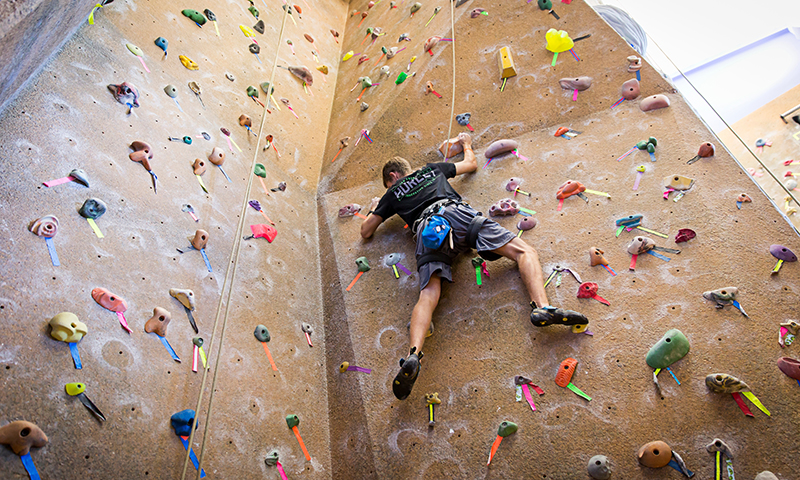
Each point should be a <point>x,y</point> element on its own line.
<point>576,83</point>
<point>724,383</point>
<point>162,43</point>
<point>599,467</point>
<point>65,327</point>
<point>322,69</point>
<point>74,389</point>
<point>477,12</point>
<point>217,156</point>
<point>362,59</point>
<point>545,5</point>
<point>415,7</point>
<point>195,16</point>
<point>199,166</point>
<point>108,300</point>
<point>254,48</point>
<point>744,198</point>
<point>171,91</point>
<point>182,422</point>
<point>347,56</point>
<point>79,176</point>
<point>558,41</point>
<point>46,226</point>
<point>303,74</point>
<point>262,334</point>
<point>782,253</point>
<point>684,235</point>
<point>260,170</point>
<point>362,264</point>
<point>142,153</point>
<point>672,347</point>
<point>93,208</point>
<point>706,150</point>
<point>188,62</point>
<point>349,210</point>
<point>401,77</point>
<point>499,147</point>
<point>790,367</point>
<point>259,27</point>
<point>463,119</point>
<point>569,188</point>
<point>721,296</point>
<point>272,458</point>
<point>199,240</point>
<point>718,445</point>
<point>230,77</point>
<point>292,421</point>
<point>526,223</point>
<point>185,296</point>
<point>678,182</point>
<point>210,15</point>
<point>766,475</point>
<point>634,63</point>
<point>431,42</point>
<point>640,245</point>
<point>565,372</point>
<point>654,454</point>
<point>364,106</point>
<point>596,257</point>
<point>264,87</point>
<point>134,49</point>
<point>630,89</point>
<point>21,436</point>
<point>507,428</point>
<point>158,322</point>
<point>125,93</point>
<point>245,121</point>
<point>504,207</point>
<point>654,102</point>
<point>308,37</point>
<point>253,10</point>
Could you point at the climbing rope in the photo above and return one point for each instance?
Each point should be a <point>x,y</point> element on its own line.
<point>233,263</point>
<point>625,26</point>
<point>453,97</point>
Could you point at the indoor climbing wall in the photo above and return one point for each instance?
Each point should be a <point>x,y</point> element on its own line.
<point>483,337</point>
<point>66,119</point>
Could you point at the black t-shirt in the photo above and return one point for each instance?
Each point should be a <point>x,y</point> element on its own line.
<point>412,194</point>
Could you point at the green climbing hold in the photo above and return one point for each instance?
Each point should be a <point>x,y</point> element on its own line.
<point>366,82</point>
<point>651,148</point>
<point>195,16</point>
<point>262,334</point>
<point>507,428</point>
<point>252,92</point>
<point>653,141</point>
<point>260,170</point>
<point>292,421</point>
<point>134,49</point>
<point>363,264</point>
<point>672,347</point>
<point>198,341</point>
<point>401,78</point>
<point>642,145</point>
<point>384,50</point>
<point>265,86</point>
<point>477,262</point>
<point>253,10</point>
<point>545,5</point>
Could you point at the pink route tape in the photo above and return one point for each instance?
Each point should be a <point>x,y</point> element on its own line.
<point>124,322</point>
<point>59,181</point>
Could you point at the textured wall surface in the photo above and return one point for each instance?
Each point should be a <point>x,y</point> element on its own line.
<point>351,423</point>
<point>483,336</point>
<point>68,119</point>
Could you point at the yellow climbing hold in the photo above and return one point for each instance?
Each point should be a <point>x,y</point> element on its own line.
<point>347,56</point>
<point>188,62</point>
<point>75,389</point>
<point>323,69</point>
<point>247,31</point>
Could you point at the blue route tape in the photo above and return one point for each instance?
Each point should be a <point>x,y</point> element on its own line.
<point>169,349</point>
<point>672,463</point>
<point>205,259</point>
<point>51,247</point>
<point>192,456</point>
<point>658,255</point>
<point>76,355</point>
<point>27,462</point>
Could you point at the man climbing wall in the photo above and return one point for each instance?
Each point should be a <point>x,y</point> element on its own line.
<point>446,226</point>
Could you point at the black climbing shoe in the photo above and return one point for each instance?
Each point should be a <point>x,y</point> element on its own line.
<point>404,381</point>
<point>544,316</point>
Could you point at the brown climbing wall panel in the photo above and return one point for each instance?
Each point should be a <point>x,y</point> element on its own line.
<point>67,119</point>
<point>483,337</point>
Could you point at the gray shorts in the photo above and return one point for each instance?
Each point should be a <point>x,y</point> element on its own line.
<point>490,237</point>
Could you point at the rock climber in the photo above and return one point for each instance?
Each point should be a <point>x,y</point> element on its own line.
<point>425,200</point>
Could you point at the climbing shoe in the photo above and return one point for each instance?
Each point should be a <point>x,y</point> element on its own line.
<point>544,316</point>
<point>404,381</point>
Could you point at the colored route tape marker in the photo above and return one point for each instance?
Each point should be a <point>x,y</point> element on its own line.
<point>269,356</point>
<point>76,356</point>
<point>555,58</point>
<point>280,470</point>
<point>124,322</point>
<point>672,463</point>
<point>756,402</point>
<point>27,462</point>
<point>353,282</point>
<point>353,368</point>
<point>95,228</point>
<point>403,269</point>
<point>185,442</point>
<point>203,357</point>
<point>205,259</point>
<point>51,249</point>
<point>394,269</point>
<point>169,349</point>
<point>658,255</point>
<point>741,404</point>
<point>300,441</point>
<point>577,391</point>
<point>223,171</point>
<point>528,396</point>
<point>195,354</point>
<point>673,376</point>
<point>58,181</point>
